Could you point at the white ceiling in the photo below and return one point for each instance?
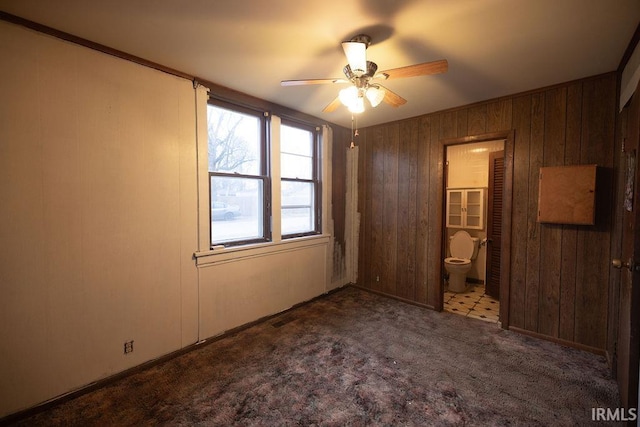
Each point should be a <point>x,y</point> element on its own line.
<point>494,47</point>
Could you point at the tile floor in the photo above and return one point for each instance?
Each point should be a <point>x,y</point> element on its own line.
<point>472,303</point>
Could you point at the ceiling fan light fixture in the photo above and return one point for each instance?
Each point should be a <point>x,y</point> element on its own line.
<point>348,95</point>
<point>351,98</point>
<point>375,95</point>
<point>358,106</point>
<point>356,56</point>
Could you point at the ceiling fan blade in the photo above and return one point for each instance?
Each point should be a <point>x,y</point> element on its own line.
<point>423,69</point>
<point>333,105</point>
<point>393,98</point>
<point>311,82</point>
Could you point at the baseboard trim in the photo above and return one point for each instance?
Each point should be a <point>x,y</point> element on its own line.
<point>58,400</point>
<point>63,398</point>
<point>566,343</point>
<point>611,362</point>
<point>537,335</point>
<point>384,294</point>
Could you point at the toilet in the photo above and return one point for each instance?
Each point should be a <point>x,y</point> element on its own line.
<point>463,249</point>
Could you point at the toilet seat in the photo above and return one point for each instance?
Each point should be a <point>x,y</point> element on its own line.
<point>461,245</point>
<point>457,261</point>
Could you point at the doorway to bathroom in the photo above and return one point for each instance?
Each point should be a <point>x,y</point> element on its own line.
<point>474,185</point>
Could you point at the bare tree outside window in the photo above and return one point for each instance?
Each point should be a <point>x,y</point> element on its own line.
<point>237,183</point>
<point>228,149</point>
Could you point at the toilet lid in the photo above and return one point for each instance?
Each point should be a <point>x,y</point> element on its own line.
<point>461,245</point>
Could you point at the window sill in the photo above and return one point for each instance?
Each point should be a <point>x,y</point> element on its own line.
<point>222,254</point>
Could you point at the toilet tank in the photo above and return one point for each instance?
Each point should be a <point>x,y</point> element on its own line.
<point>476,246</point>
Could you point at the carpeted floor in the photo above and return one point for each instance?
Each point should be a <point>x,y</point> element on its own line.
<point>355,358</point>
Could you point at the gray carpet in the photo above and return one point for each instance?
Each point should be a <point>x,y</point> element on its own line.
<point>355,358</point>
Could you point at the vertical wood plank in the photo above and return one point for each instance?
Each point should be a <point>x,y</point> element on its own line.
<point>423,204</point>
<point>403,212</point>
<point>404,171</point>
<point>598,127</point>
<point>551,234</point>
<point>390,209</point>
<point>364,201</point>
<point>462,117</point>
<point>376,177</point>
<point>434,258</point>
<point>338,184</point>
<point>570,232</point>
<point>533,228</point>
<point>448,128</point>
<point>412,214</point>
<point>519,215</point>
<point>499,115</point>
<point>477,119</point>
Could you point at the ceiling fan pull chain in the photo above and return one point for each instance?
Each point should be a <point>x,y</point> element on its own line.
<point>354,133</point>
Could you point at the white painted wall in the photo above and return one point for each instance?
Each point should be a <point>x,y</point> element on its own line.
<point>99,222</point>
<point>242,286</point>
<point>97,216</point>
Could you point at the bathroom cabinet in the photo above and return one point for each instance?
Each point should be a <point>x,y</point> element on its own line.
<point>465,208</point>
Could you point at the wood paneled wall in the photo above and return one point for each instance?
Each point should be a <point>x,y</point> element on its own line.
<point>341,142</point>
<point>559,274</point>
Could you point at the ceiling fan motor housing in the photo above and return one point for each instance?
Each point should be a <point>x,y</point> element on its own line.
<point>363,79</point>
<point>361,38</point>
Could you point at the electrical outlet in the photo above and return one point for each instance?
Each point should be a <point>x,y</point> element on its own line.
<point>128,347</point>
<point>377,278</point>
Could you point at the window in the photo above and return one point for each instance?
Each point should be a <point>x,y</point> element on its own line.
<point>300,200</point>
<point>238,179</point>
<point>242,176</point>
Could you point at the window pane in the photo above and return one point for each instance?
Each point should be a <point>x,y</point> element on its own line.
<point>296,147</point>
<point>296,167</point>
<point>236,209</point>
<point>298,213</point>
<point>296,141</point>
<point>234,141</point>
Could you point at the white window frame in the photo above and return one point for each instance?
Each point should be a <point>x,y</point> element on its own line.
<point>208,254</point>
<point>262,176</point>
<point>315,179</point>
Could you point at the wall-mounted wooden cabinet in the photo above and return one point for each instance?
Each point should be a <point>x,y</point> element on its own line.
<point>465,208</point>
<point>567,195</point>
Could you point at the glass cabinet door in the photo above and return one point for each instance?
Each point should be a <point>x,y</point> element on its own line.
<point>465,208</point>
<point>454,208</point>
<point>474,209</point>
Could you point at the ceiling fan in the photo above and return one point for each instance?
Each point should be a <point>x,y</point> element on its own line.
<point>364,77</point>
